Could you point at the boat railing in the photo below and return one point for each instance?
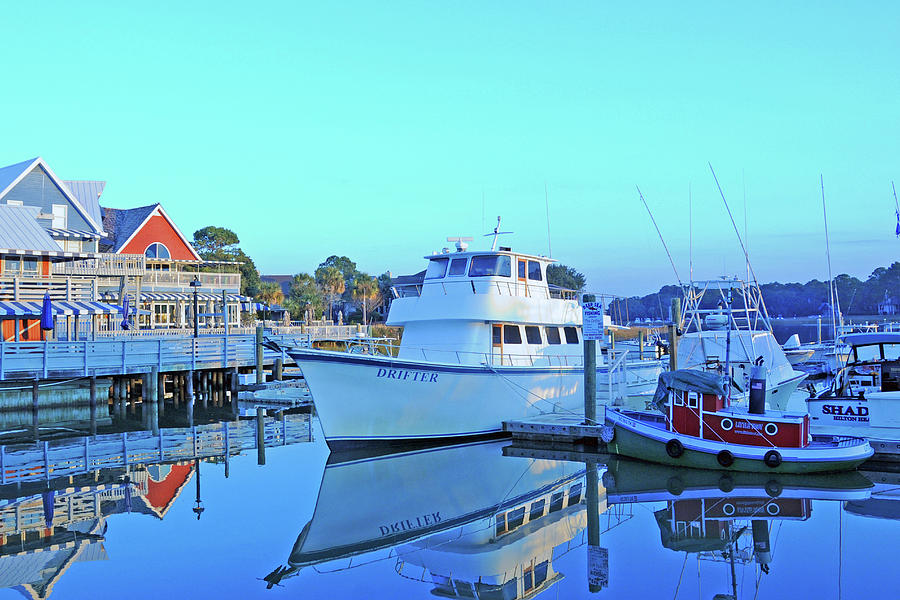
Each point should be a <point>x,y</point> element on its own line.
<point>486,287</point>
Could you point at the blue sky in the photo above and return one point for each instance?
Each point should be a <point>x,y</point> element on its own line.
<point>375,129</point>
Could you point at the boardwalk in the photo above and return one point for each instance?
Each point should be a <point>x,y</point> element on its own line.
<point>62,360</point>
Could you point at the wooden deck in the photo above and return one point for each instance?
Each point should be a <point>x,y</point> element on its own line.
<point>107,357</point>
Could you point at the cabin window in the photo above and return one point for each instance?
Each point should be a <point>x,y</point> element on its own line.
<point>157,250</point>
<point>437,268</point>
<point>528,579</point>
<point>891,351</point>
<point>486,266</point>
<point>458,266</point>
<point>511,334</point>
<point>553,335</point>
<point>30,266</point>
<point>556,501</point>
<point>679,399</point>
<point>534,270</point>
<point>533,334</point>
<point>521,269</point>
<point>501,523</point>
<point>515,518</point>
<point>575,494</point>
<point>497,335</point>
<point>571,335</point>
<point>11,265</point>
<point>540,572</point>
<point>693,400</point>
<point>537,510</point>
<point>868,353</point>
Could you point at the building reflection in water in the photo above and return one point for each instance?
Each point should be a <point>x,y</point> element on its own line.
<point>49,522</point>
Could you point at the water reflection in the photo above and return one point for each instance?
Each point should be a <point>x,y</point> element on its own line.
<point>56,495</point>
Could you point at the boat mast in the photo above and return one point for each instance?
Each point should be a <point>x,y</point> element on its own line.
<point>832,293</point>
<point>659,233</point>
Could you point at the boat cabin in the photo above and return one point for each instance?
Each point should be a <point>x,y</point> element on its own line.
<point>698,406</point>
<point>873,364</point>
<point>492,306</point>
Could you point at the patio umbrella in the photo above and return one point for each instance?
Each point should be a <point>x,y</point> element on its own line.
<point>46,313</point>
<point>48,499</point>
<point>125,324</point>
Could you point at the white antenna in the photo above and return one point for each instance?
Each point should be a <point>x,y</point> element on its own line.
<point>547,204</point>
<point>746,235</point>
<point>832,293</point>
<point>496,233</point>
<point>690,234</point>
<point>461,243</point>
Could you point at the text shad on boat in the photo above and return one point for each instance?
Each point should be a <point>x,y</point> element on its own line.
<point>485,339</point>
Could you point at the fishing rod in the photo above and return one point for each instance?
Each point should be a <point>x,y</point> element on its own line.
<point>832,292</point>
<point>659,233</point>
<point>733,224</point>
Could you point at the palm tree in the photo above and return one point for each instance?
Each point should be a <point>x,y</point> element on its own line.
<point>365,291</point>
<point>332,282</point>
<point>269,293</point>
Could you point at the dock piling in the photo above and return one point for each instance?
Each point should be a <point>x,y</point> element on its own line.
<point>590,375</point>
<point>279,369</point>
<point>260,374</point>
<point>34,409</point>
<point>93,401</point>
<point>260,435</point>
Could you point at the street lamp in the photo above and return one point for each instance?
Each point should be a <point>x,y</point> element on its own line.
<point>198,504</point>
<point>196,284</point>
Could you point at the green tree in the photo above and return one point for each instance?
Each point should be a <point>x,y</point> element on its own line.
<point>304,295</point>
<point>270,293</point>
<point>565,277</point>
<point>220,244</point>
<point>331,281</point>
<point>366,292</point>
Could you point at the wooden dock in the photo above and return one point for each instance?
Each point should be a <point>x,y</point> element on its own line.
<point>554,428</point>
<point>110,357</point>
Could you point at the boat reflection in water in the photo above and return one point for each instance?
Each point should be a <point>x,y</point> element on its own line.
<point>727,518</point>
<point>465,519</point>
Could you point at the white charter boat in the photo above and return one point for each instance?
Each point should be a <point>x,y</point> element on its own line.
<point>485,339</point>
<point>863,400</point>
<point>715,334</point>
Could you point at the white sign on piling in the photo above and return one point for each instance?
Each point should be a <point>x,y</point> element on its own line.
<point>592,321</point>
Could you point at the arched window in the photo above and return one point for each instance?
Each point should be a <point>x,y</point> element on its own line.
<point>157,250</point>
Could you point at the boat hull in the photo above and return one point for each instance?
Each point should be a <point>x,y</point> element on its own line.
<point>875,416</point>
<point>363,399</point>
<point>634,438</point>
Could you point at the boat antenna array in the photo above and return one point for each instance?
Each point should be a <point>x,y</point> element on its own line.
<point>462,243</point>
<point>496,233</point>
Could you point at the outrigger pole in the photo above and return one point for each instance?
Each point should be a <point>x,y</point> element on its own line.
<point>659,233</point>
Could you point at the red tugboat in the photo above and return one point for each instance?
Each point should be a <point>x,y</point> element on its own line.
<point>699,428</point>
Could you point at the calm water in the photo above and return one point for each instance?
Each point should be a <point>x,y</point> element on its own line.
<point>485,519</point>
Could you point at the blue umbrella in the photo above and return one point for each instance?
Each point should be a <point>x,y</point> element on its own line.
<point>46,313</point>
<point>125,324</point>
<point>47,499</point>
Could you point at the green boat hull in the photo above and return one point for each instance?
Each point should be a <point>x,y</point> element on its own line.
<point>629,443</point>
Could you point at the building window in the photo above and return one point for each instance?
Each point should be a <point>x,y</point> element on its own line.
<point>157,250</point>
<point>59,216</point>
<point>30,266</point>
<point>11,265</point>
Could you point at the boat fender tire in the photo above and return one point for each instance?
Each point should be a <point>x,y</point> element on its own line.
<point>726,484</point>
<point>607,434</point>
<point>774,488</point>
<point>675,486</point>
<point>674,448</point>
<point>725,458</point>
<point>772,458</point>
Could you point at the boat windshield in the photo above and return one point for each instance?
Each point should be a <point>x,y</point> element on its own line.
<point>437,267</point>
<point>876,352</point>
<point>496,265</point>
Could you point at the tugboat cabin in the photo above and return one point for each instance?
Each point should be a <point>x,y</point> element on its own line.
<point>698,406</point>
